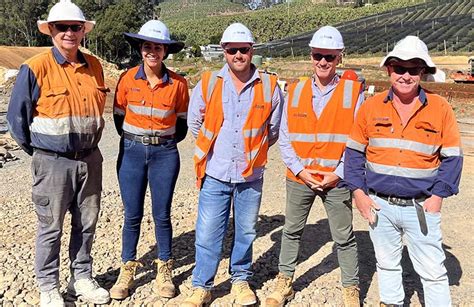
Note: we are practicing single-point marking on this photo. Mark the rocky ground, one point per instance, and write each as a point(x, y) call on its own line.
point(317, 275)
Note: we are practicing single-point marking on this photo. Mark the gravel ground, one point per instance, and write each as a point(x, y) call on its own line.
point(317, 275)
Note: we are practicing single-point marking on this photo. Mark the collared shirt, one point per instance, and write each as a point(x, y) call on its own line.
point(58, 106)
point(150, 111)
point(388, 180)
point(226, 160)
point(320, 100)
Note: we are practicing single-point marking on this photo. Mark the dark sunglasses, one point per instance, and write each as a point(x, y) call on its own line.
point(61, 27)
point(319, 57)
point(242, 50)
point(401, 70)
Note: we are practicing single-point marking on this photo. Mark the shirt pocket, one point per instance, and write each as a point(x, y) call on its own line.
point(380, 129)
point(428, 133)
point(56, 101)
point(136, 98)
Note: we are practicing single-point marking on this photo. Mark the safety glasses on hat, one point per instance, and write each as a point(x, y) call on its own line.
point(401, 70)
point(242, 50)
point(62, 27)
point(327, 57)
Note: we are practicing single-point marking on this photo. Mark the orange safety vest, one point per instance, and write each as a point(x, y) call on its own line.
point(255, 130)
point(320, 143)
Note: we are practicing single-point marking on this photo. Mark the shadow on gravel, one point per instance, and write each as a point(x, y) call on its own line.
point(184, 251)
point(411, 281)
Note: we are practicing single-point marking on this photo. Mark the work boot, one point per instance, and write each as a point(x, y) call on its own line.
point(197, 298)
point(125, 280)
point(350, 296)
point(242, 293)
point(88, 290)
point(389, 305)
point(51, 298)
point(163, 284)
point(283, 291)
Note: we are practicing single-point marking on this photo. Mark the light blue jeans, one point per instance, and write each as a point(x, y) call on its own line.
point(215, 202)
point(426, 253)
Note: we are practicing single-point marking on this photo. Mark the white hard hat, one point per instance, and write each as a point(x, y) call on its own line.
point(237, 33)
point(64, 10)
point(327, 38)
point(409, 48)
point(157, 32)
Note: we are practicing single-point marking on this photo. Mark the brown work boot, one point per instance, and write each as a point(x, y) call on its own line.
point(125, 280)
point(283, 291)
point(163, 284)
point(350, 296)
point(197, 298)
point(242, 293)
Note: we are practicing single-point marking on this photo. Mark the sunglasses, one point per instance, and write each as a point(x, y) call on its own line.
point(401, 70)
point(61, 27)
point(327, 57)
point(242, 50)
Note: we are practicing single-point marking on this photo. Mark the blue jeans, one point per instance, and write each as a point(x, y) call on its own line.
point(215, 202)
point(426, 253)
point(137, 166)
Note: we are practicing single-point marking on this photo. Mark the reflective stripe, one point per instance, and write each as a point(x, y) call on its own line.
point(451, 152)
point(267, 90)
point(199, 153)
point(182, 115)
point(347, 100)
point(250, 133)
point(142, 110)
point(66, 125)
point(297, 93)
point(212, 83)
point(332, 137)
point(207, 133)
point(319, 161)
point(402, 171)
point(403, 144)
point(302, 137)
point(136, 130)
point(355, 145)
point(251, 155)
point(118, 111)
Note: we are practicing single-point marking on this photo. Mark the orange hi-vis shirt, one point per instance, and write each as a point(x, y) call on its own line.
point(255, 129)
point(422, 158)
point(151, 111)
point(319, 143)
point(57, 106)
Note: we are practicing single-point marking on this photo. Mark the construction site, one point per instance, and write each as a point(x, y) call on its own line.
point(445, 26)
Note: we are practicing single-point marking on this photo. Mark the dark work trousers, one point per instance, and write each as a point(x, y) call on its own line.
point(60, 185)
point(337, 202)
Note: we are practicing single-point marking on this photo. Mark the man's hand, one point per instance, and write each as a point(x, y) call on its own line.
point(307, 176)
point(330, 179)
point(433, 204)
point(365, 205)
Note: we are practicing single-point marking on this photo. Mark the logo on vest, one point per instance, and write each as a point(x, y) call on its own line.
point(134, 89)
point(300, 114)
point(381, 119)
point(260, 106)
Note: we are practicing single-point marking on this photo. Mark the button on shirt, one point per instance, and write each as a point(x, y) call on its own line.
point(226, 160)
point(320, 100)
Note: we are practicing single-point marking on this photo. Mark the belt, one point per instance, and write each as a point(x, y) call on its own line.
point(148, 139)
point(406, 202)
point(399, 201)
point(73, 155)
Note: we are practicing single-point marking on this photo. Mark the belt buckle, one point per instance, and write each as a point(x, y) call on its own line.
point(146, 140)
point(397, 201)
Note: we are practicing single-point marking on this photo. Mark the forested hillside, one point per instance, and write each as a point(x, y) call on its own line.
point(197, 22)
